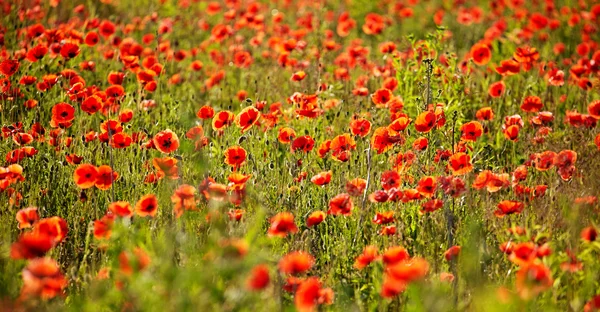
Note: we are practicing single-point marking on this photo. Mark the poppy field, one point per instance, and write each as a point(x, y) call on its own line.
point(299, 155)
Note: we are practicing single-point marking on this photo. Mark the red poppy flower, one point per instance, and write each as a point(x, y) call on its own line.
point(321, 178)
point(54, 227)
point(85, 176)
point(69, 50)
point(368, 255)
point(507, 207)
point(589, 234)
point(63, 113)
point(471, 131)
point(42, 278)
point(105, 177)
point(282, 224)
point(360, 127)
point(310, 294)
point(9, 67)
point(385, 217)
point(508, 67)
point(222, 119)
point(496, 89)
point(594, 109)
point(315, 218)
point(296, 262)
point(383, 139)
point(303, 143)
point(31, 245)
point(115, 91)
point(481, 53)
point(431, 205)
point(452, 253)
point(37, 53)
point(121, 208)
point(532, 104)
point(390, 179)
point(400, 123)
point(235, 156)
point(247, 118)
point(166, 141)
point(259, 278)
point(394, 255)
point(341, 204)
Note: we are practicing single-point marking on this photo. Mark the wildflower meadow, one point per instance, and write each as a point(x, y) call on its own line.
point(299, 155)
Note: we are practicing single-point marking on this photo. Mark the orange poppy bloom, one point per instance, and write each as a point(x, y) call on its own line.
point(166, 141)
point(286, 135)
point(235, 156)
point(147, 206)
point(383, 139)
point(296, 262)
point(27, 217)
point(425, 121)
point(259, 278)
point(408, 270)
point(298, 76)
point(460, 163)
point(121, 209)
point(431, 205)
point(184, 198)
point(341, 146)
point(222, 119)
point(507, 207)
point(400, 123)
point(138, 261)
point(341, 204)
point(427, 186)
point(315, 218)
point(368, 255)
point(167, 167)
point(481, 53)
point(356, 187)
point(381, 97)
point(282, 224)
point(105, 177)
point(85, 176)
point(532, 279)
point(485, 113)
point(42, 278)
